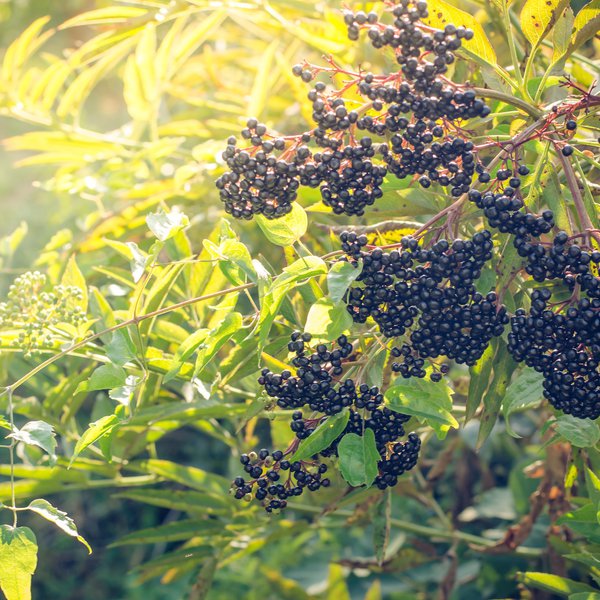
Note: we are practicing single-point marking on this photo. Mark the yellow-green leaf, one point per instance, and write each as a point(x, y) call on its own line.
point(441, 14)
point(586, 25)
point(18, 560)
point(539, 16)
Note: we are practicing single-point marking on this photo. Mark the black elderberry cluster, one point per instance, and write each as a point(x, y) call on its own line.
point(407, 115)
point(429, 292)
point(272, 479)
point(260, 182)
point(504, 210)
point(316, 386)
point(565, 348)
point(565, 261)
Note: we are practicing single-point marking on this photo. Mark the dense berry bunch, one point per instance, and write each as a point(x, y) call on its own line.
point(258, 181)
point(430, 292)
point(504, 211)
point(566, 261)
point(318, 387)
point(272, 479)
point(565, 347)
point(412, 117)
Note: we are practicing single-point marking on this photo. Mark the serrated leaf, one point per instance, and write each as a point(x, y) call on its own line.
point(426, 400)
point(381, 525)
point(340, 278)
point(18, 561)
point(93, 433)
point(285, 230)
point(539, 16)
point(323, 436)
point(302, 269)
point(359, 458)
point(561, 35)
point(58, 517)
point(121, 349)
point(37, 433)
point(216, 339)
point(164, 225)
point(503, 368)
point(185, 350)
point(525, 391)
point(106, 377)
point(441, 14)
point(479, 381)
point(582, 433)
point(327, 320)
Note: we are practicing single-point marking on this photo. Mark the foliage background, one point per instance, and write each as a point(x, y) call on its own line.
point(138, 147)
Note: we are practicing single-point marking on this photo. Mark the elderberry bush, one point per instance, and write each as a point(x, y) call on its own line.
point(317, 387)
point(408, 125)
point(428, 295)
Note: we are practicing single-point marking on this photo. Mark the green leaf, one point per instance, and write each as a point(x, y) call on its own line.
point(585, 596)
point(503, 368)
point(586, 25)
point(561, 36)
point(539, 16)
point(58, 517)
point(164, 225)
point(37, 433)
point(340, 277)
point(327, 320)
point(216, 339)
point(185, 350)
point(302, 269)
point(173, 532)
point(381, 525)
point(441, 14)
point(124, 393)
point(523, 392)
point(582, 433)
point(191, 502)
point(285, 230)
point(72, 276)
point(192, 477)
point(106, 377)
point(121, 349)
point(323, 436)
point(234, 259)
point(18, 560)
point(479, 381)
point(359, 458)
point(4, 423)
point(337, 589)
point(95, 431)
point(553, 583)
point(426, 400)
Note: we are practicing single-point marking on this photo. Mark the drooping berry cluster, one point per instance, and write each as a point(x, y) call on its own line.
point(316, 386)
point(429, 292)
point(565, 348)
point(259, 181)
point(504, 210)
point(272, 479)
point(413, 116)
